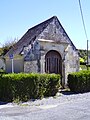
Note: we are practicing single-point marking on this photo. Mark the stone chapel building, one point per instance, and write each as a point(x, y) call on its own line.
point(44, 48)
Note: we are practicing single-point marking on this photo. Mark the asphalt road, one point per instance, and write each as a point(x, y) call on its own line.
point(69, 110)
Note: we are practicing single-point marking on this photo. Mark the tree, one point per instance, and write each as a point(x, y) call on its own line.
point(6, 47)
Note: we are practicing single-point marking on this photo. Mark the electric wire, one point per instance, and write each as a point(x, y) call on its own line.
point(83, 19)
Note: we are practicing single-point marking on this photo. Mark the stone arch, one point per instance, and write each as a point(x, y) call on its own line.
point(53, 62)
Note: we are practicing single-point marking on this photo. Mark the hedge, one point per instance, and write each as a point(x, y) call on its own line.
point(2, 72)
point(79, 81)
point(28, 86)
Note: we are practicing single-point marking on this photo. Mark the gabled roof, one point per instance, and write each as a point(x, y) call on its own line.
point(32, 33)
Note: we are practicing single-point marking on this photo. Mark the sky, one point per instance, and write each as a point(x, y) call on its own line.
point(17, 16)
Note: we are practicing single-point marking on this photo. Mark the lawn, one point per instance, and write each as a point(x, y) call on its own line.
point(84, 67)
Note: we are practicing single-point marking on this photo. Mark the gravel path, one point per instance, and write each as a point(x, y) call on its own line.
point(62, 106)
point(51, 101)
point(59, 99)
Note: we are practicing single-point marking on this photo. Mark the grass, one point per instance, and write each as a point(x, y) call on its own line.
point(84, 67)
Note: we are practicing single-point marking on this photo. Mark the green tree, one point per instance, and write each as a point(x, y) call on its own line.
point(6, 47)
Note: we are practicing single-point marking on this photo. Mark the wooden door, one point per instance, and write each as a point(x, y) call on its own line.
point(53, 62)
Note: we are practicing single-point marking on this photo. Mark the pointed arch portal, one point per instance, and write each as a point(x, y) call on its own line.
point(53, 62)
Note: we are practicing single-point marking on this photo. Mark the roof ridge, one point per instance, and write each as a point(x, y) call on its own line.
point(34, 32)
point(50, 19)
point(36, 27)
point(29, 32)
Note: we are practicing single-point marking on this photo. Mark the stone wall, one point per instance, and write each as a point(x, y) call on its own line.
point(54, 32)
point(71, 61)
point(30, 67)
point(2, 64)
point(18, 65)
point(55, 38)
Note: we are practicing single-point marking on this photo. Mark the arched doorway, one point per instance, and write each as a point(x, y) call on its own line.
point(53, 62)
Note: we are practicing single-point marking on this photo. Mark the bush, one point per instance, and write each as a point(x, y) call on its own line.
point(28, 86)
point(82, 61)
point(53, 85)
point(79, 81)
point(2, 71)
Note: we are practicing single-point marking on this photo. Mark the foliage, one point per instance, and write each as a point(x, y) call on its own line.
point(28, 86)
point(7, 46)
point(83, 54)
point(79, 81)
point(1, 51)
point(82, 61)
point(2, 72)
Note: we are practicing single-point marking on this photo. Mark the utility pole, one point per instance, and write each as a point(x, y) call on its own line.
point(87, 54)
point(84, 29)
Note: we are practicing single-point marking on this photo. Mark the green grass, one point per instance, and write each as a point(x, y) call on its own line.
point(84, 67)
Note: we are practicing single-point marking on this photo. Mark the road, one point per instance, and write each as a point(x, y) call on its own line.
point(71, 109)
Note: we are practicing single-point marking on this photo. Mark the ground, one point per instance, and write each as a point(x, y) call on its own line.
point(62, 107)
